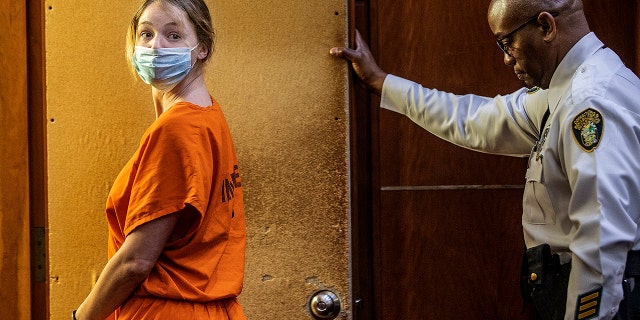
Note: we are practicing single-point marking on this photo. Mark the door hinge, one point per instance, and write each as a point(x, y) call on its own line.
point(39, 254)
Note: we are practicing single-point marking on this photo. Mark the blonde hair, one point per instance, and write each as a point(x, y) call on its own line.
point(198, 14)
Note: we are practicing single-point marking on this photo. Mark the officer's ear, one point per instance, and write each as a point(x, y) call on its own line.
point(547, 22)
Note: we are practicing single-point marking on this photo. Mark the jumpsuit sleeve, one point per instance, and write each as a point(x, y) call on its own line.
point(499, 125)
point(166, 176)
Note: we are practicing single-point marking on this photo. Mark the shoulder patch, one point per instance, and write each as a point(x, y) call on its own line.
point(533, 89)
point(588, 305)
point(587, 129)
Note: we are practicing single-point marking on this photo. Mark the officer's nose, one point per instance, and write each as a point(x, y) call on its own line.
point(508, 59)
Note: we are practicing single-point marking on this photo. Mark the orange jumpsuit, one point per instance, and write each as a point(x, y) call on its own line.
point(186, 157)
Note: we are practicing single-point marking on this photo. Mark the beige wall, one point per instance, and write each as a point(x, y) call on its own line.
point(285, 100)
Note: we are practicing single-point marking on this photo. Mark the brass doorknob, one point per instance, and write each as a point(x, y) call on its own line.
point(324, 304)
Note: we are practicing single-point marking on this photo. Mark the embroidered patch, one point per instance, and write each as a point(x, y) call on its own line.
point(588, 306)
point(533, 89)
point(587, 129)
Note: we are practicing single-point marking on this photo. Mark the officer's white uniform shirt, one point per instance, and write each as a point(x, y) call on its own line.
point(582, 192)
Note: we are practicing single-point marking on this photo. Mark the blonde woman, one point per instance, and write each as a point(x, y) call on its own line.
point(175, 212)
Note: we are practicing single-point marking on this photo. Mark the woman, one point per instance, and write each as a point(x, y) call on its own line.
point(175, 213)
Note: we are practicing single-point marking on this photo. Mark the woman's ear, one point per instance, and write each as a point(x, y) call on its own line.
point(203, 51)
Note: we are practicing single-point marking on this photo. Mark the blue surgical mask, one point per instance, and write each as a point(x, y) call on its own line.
point(162, 68)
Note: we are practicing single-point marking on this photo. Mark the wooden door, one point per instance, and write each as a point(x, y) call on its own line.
point(437, 231)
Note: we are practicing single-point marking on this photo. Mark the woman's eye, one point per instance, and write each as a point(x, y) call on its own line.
point(145, 34)
point(174, 36)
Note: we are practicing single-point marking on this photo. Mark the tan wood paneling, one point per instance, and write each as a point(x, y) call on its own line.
point(14, 168)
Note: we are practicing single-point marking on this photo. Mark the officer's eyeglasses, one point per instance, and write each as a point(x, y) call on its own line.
point(505, 47)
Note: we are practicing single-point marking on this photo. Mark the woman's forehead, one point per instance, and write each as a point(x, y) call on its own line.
point(161, 14)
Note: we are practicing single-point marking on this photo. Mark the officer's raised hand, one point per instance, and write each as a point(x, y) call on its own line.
point(363, 63)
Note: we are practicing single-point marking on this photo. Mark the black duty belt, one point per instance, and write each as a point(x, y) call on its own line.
point(632, 269)
point(544, 282)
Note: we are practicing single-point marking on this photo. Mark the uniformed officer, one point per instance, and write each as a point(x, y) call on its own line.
point(579, 122)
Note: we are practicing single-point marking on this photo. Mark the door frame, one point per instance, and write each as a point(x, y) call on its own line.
point(37, 159)
point(362, 126)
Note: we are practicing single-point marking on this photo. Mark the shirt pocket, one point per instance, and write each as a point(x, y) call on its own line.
point(536, 204)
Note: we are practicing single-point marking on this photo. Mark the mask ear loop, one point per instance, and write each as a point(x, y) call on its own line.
point(194, 63)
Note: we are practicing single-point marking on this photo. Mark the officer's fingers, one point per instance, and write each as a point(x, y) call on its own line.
point(344, 53)
point(360, 43)
point(336, 52)
point(353, 55)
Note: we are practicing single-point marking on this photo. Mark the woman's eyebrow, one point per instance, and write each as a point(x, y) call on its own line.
point(149, 23)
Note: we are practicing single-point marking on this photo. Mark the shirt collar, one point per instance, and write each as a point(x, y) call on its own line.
point(561, 79)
